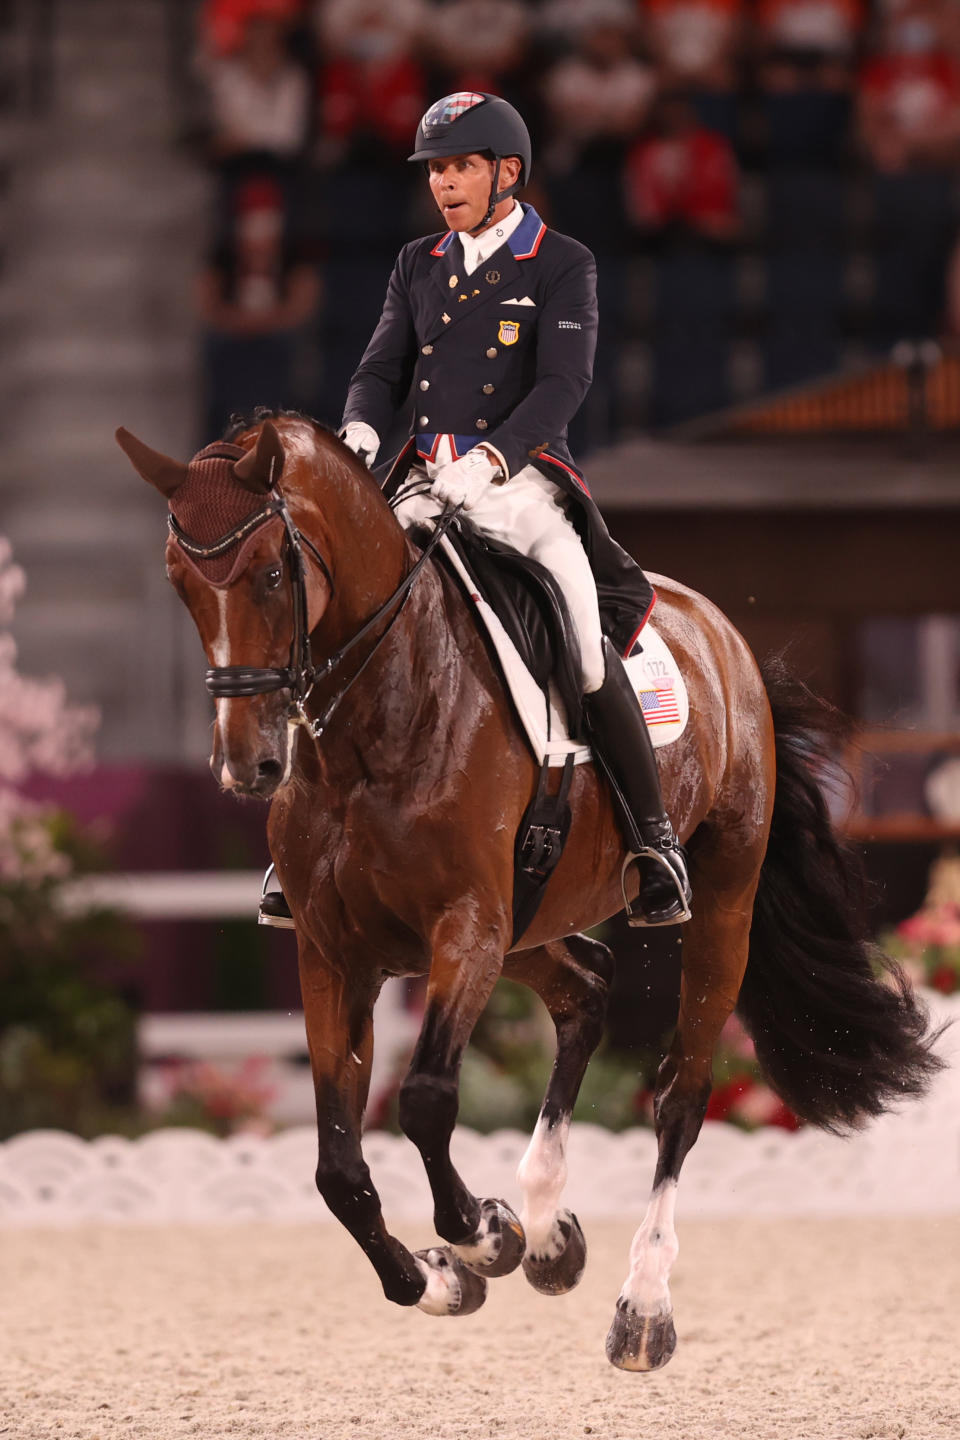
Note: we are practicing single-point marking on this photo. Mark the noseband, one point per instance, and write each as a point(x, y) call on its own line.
point(234, 682)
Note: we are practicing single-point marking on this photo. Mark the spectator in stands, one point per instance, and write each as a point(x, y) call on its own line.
point(599, 95)
point(255, 295)
point(909, 97)
point(259, 98)
point(909, 112)
point(480, 45)
point(808, 42)
point(682, 180)
point(371, 94)
point(372, 89)
point(223, 23)
point(806, 56)
point(595, 97)
point(682, 194)
point(696, 43)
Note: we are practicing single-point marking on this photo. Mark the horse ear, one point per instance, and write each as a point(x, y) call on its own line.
point(158, 470)
point(261, 468)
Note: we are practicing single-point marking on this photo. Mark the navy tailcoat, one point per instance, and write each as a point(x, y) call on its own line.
point(503, 356)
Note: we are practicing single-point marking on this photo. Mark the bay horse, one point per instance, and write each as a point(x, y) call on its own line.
point(355, 692)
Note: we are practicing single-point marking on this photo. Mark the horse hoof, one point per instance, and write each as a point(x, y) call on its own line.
point(558, 1265)
point(451, 1288)
point(640, 1342)
point(498, 1246)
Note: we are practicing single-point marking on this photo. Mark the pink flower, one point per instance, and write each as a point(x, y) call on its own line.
point(39, 732)
point(734, 1037)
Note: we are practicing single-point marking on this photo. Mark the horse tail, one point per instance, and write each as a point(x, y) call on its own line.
point(838, 1030)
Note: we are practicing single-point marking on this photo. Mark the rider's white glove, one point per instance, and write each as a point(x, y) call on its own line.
point(465, 482)
point(362, 439)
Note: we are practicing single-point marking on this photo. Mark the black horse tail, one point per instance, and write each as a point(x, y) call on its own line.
point(838, 1030)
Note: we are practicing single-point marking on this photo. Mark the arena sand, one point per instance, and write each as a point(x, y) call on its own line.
point(805, 1330)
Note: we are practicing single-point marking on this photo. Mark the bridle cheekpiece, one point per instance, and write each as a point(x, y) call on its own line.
point(301, 675)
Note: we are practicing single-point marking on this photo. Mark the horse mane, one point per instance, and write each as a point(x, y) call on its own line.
point(241, 424)
point(351, 467)
point(238, 424)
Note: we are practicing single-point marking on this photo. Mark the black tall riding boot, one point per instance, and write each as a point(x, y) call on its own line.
point(622, 744)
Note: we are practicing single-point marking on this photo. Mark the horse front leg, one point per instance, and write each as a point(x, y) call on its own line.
point(338, 1010)
point(572, 978)
point(485, 1237)
point(715, 945)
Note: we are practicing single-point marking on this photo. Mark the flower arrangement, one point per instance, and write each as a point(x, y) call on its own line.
point(67, 1039)
point(222, 1099)
point(740, 1093)
point(507, 1065)
point(927, 944)
point(39, 732)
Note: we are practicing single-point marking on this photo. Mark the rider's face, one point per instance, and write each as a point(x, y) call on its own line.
point(461, 187)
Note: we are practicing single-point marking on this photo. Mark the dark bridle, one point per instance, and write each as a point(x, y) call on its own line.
point(234, 682)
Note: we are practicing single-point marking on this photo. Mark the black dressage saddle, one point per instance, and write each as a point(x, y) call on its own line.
point(530, 606)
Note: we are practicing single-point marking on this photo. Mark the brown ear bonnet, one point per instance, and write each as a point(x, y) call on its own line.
point(210, 503)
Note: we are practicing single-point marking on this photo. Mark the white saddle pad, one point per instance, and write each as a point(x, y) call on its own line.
point(653, 671)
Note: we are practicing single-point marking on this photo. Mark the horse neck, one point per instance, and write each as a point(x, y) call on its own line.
point(369, 554)
point(362, 542)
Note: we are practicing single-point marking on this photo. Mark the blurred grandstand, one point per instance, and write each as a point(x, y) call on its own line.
point(200, 205)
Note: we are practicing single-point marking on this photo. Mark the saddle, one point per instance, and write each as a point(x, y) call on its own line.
point(531, 607)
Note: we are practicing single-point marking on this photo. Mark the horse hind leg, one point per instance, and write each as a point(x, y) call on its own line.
point(573, 978)
point(715, 943)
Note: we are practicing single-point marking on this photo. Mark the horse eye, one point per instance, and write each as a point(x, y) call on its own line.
point(273, 576)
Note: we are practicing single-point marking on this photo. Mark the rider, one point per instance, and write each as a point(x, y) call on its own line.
point(494, 324)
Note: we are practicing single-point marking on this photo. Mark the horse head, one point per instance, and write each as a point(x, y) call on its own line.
point(230, 558)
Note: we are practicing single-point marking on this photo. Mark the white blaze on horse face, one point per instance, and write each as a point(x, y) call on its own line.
point(542, 1174)
point(652, 1254)
point(220, 650)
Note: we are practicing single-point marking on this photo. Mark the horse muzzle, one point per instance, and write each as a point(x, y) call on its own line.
point(250, 753)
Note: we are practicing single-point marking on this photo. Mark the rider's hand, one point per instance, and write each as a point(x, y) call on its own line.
point(465, 482)
point(362, 439)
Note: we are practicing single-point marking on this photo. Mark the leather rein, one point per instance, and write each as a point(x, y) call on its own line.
point(233, 682)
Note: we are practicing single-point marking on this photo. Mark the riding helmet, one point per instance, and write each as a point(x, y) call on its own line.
point(470, 122)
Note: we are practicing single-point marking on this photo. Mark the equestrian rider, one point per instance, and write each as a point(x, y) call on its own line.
point(494, 324)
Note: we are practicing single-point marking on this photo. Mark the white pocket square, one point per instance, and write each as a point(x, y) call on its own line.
point(525, 301)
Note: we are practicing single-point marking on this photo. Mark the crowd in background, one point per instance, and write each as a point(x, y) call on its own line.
point(768, 187)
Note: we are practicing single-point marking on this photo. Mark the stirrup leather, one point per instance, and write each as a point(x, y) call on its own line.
point(274, 909)
point(677, 914)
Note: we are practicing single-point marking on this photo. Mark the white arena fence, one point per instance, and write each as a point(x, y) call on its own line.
point(228, 1038)
point(904, 1163)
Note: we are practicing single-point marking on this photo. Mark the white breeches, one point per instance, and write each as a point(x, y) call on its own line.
point(529, 513)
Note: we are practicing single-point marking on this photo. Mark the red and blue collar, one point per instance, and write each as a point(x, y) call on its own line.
point(524, 242)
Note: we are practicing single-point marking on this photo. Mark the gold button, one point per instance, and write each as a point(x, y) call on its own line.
point(427, 350)
point(454, 281)
point(481, 424)
point(488, 389)
point(492, 353)
point(423, 421)
point(424, 384)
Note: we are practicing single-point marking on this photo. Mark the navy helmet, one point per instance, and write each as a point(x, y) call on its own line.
point(472, 122)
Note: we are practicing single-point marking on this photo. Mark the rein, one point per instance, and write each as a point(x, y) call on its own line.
point(233, 682)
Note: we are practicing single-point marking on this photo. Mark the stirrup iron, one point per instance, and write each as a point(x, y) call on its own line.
point(274, 909)
point(633, 909)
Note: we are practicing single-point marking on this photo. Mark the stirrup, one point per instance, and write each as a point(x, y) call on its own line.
point(274, 909)
point(674, 912)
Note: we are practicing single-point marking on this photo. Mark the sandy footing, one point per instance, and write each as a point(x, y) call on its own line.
point(801, 1329)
